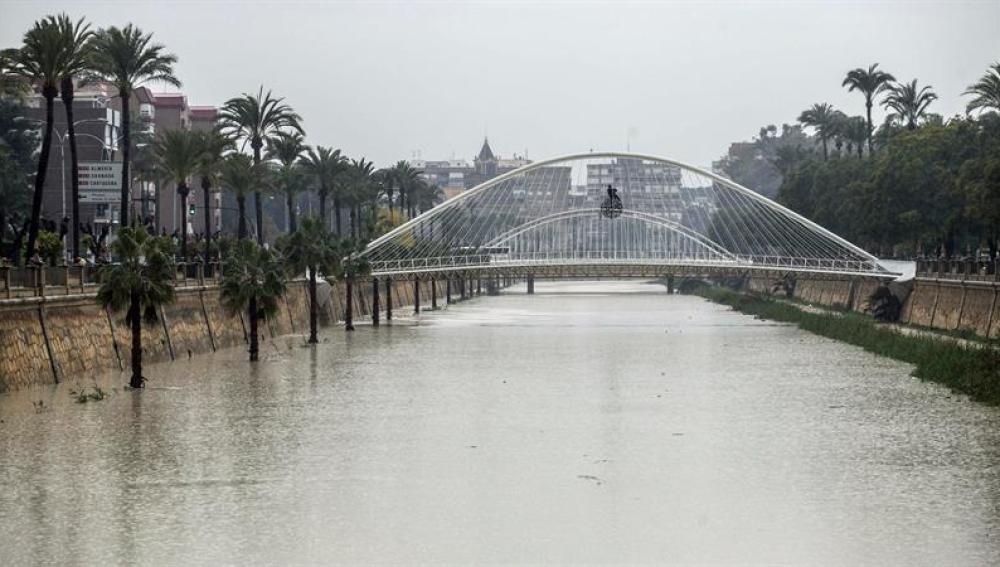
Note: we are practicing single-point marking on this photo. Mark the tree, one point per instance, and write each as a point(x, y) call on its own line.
point(141, 282)
point(41, 59)
point(288, 148)
point(405, 177)
point(312, 249)
point(985, 91)
point(255, 120)
point(17, 163)
point(326, 166)
point(352, 266)
point(360, 189)
point(212, 146)
point(128, 58)
point(76, 42)
point(908, 104)
point(870, 83)
point(822, 119)
point(252, 280)
point(177, 155)
point(240, 175)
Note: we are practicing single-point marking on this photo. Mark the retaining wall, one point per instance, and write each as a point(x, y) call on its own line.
point(44, 341)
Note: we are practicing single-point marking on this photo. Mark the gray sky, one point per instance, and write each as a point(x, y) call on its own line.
point(386, 79)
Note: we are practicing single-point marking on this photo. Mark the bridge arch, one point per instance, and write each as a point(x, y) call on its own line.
point(732, 225)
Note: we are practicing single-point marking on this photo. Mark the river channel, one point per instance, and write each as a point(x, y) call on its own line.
point(592, 422)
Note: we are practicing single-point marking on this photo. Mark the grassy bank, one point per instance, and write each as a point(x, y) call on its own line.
point(973, 371)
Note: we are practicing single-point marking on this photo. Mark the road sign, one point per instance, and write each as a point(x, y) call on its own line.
point(100, 181)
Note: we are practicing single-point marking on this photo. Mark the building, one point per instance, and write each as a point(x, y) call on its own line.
point(456, 175)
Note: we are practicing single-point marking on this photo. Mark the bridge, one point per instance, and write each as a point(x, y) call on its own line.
point(613, 214)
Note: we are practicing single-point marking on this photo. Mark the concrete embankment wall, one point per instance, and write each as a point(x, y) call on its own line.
point(948, 305)
point(69, 337)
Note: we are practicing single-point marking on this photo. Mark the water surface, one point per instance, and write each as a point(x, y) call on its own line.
point(591, 422)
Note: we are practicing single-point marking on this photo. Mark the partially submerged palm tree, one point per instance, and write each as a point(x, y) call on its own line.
point(870, 82)
point(140, 283)
point(821, 118)
point(76, 39)
point(127, 58)
point(252, 280)
point(255, 119)
point(212, 146)
point(326, 166)
point(909, 105)
point(177, 154)
point(238, 174)
point(312, 249)
point(287, 149)
point(41, 59)
point(985, 91)
point(352, 266)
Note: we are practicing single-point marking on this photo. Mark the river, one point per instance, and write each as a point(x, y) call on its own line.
point(591, 422)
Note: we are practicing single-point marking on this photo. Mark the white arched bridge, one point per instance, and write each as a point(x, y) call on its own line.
point(613, 214)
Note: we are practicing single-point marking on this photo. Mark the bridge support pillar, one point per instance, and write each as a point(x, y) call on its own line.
point(531, 284)
point(375, 305)
point(388, 299)
point(434, 294)
point(447, 292)
point(349, 307)
point(416, 296)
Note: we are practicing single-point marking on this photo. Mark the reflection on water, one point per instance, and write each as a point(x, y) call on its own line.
point(591, 422)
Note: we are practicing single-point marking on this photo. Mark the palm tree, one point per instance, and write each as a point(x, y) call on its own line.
point(855, 131)
point(312, 249)
point(240, 175)
point(76, 42)
point(405, 176)
point(41, 59)
point(909, 105)
point(252, 280)
point(141, 282)
point(212, 146)
point(288, 149)
point(361, 189)
point(326, 166)
point(870, 83)
point(352, 266)
point(986, 91)
point(256, 119)
point(177, 155)
point(821, 118)
point(127, 58)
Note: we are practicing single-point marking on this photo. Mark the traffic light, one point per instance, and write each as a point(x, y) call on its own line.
point(192, 209)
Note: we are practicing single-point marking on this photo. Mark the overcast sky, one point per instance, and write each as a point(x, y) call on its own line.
point(680, 79)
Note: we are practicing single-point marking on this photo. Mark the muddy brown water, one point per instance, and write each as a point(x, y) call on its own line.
point(594, 422)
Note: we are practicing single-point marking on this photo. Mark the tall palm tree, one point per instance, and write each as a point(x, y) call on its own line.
point(386, 180)
point(361, 189)
point(870, 82)
point(212, 146)
point(326, 166)
point(141, 282)
point(239, 175)
point(256, 119)
point(855, 132)
point(177, 154)
point(252, 280)
point(909, 104)
point(312, 249)
point(288, 148)
point(128, 58)
point(986, 91)
point(41, 59)
point(405, 176)
point(352, 266)
point(821, 118)
point(76, 42)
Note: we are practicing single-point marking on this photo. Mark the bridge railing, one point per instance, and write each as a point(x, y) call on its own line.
point(959, 269)
point(528, 259)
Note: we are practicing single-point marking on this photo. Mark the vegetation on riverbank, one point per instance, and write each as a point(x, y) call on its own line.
point(971, 370)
